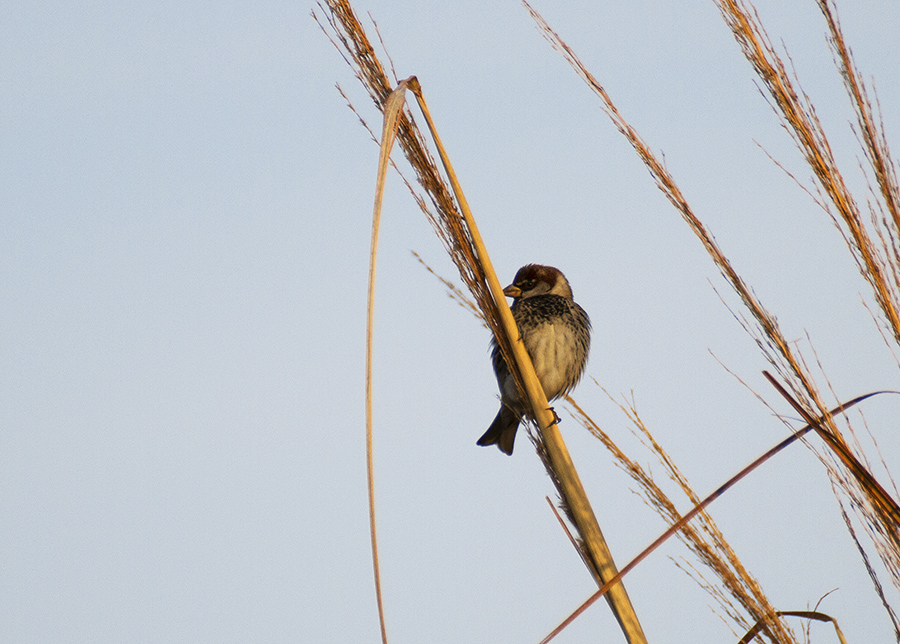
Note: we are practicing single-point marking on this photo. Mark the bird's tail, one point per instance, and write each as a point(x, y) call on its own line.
point(502, 431)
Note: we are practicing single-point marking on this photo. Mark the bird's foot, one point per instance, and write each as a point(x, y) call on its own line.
point(556, 419)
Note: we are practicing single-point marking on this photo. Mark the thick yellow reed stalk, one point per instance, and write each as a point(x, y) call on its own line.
point(574, 495)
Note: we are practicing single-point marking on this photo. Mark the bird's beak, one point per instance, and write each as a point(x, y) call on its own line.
point(512, 291)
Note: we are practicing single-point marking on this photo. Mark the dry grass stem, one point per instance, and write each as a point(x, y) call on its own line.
point(569, 535)
point(875, 256)
point(392, 111)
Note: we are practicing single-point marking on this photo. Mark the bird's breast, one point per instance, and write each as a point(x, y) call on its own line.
point(556, 338)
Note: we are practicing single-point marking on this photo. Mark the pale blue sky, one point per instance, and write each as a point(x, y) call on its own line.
point(186, 214)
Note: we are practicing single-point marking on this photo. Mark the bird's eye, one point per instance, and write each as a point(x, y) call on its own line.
point(527, 285)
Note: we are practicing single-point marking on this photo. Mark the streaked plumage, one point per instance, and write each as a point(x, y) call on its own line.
point(557, 335)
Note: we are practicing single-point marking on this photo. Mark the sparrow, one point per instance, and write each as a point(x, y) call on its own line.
point(557, 335)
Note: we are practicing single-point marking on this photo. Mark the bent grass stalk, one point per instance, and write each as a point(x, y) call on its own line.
point(388, 134)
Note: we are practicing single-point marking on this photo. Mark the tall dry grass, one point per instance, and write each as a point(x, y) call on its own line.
point(874, 247)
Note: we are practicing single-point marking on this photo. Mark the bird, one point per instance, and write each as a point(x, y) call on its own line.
point(557, 335)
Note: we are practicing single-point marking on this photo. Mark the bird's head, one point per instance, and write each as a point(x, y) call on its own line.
point(535, 279)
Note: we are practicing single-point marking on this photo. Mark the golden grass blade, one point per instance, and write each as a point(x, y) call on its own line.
point(392, 110)
point(698, 508)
